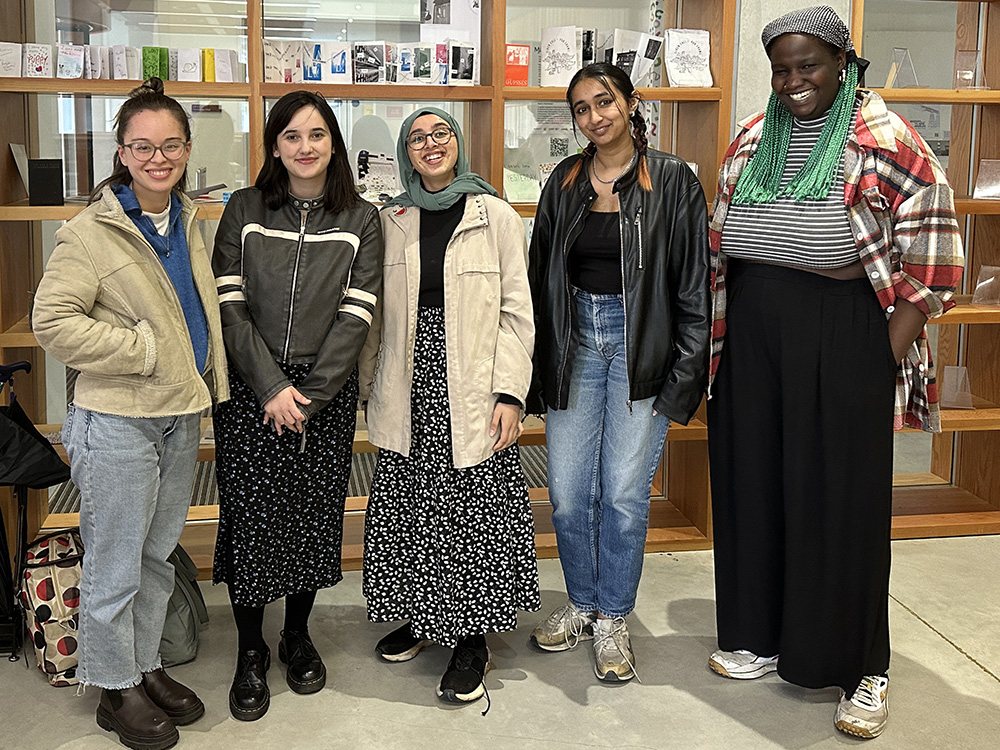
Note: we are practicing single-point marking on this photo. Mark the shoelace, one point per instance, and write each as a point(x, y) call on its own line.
point(615, 634)
point(302, 642)
point(869, 693)
point(463, 661)
point(577, 624)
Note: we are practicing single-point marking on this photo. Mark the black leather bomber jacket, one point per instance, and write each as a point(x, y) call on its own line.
point(297, 284)
point(665, 275)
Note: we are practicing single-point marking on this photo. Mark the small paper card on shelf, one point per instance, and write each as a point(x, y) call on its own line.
point(686, 57)
point(987, 291)
point(172, 64)
point(283, 61)
point(37, 61)
point(150, 62)
point(588, 46)
point(313, 61)
point(464, 63)
point(226, 65)
point(188, 64)
point(560, 55)
point(69, 61)
point(519, 187)
point(988, 179)
point(955, 390)
point(391, 62)
point(208, 65)
point(133, 63)
point(10, 60)
point(338, 56)
point(97, 62)
point(516, 64)
point(369, 62)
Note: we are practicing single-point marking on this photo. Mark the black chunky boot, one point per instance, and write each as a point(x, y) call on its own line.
point(306, 672)
point(249, 697)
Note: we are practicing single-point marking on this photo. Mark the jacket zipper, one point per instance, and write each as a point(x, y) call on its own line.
point(295, 278)
point(638, 227)
point(569, 305)
point(621, 237)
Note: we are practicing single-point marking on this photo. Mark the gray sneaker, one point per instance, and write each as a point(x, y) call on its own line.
point(613, 657)
point(742, 665)
point(865, 713)
point(564, 629)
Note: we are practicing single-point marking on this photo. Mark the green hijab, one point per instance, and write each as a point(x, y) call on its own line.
point(465, 180)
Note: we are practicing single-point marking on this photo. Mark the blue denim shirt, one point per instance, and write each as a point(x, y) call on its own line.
point(172, 251)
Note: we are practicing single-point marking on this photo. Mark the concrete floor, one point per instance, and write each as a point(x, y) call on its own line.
point(945, 691)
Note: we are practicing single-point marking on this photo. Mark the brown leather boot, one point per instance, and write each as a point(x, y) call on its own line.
point(140, 724)
point(177, 701)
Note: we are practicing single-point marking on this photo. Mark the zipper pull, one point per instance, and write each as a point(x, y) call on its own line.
point(629, 402)
point(302, 443)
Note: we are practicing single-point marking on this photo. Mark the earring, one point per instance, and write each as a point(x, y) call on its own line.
point(842, 75)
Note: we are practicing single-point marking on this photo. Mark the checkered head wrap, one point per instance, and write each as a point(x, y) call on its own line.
point(818, 20)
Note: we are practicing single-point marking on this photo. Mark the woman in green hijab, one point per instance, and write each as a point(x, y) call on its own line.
point(449, 538)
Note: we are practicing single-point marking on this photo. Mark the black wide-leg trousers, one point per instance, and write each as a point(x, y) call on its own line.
point(800, 440)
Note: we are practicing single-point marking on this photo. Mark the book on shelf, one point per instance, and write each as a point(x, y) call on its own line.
point(10, 60)
point(283, 61)
point(208, 65)
point(151, 64)
point(69, 61)
point(227, 66)
point(464, 63)
point(188, 64)
point(561, 55)
point(369, 62)
point(517, 61)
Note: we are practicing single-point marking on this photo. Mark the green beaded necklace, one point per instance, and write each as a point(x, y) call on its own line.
point(760, 181)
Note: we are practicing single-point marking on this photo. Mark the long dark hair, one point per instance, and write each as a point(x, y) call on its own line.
point(339, 192)
point(147, 97)
point(614, 79)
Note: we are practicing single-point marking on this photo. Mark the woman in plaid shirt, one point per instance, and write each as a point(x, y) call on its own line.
point(833, 239)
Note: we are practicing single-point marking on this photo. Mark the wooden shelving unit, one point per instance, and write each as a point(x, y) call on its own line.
point(961, 495)
point(698, 129)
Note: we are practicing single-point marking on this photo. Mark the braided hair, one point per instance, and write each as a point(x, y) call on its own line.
point(148, 96)
point(615, 80)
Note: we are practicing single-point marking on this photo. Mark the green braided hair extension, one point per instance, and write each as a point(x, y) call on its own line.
point(761, 179)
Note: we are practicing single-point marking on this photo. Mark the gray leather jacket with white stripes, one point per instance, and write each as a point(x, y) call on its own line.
point(297, 284)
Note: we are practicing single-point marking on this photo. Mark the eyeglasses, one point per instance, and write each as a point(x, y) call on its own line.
point(144, 150)
point(440, 136)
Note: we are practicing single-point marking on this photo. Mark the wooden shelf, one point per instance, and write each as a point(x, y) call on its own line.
point(649, 94)
point(18, 335)
point(941, 96)
point(418, 92)
point(121, 88)
point(21, 211)
point(966, 312)
point(977, 206)
point(921, 512)
point(985, 416)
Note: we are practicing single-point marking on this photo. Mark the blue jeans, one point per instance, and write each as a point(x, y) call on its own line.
point(601, 460)
point(134, 477)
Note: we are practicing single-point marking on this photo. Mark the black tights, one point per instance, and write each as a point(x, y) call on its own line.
point(250, 620)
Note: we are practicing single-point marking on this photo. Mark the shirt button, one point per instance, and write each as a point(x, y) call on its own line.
point(890, 308)
point(874, 274)
point(921, 367)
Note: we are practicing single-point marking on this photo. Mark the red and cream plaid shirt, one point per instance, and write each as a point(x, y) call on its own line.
point(902, 215)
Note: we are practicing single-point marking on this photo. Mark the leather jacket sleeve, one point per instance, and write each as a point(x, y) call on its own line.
point(688, 281)
point(538, 263)
point(341, 348)
point(245, 347)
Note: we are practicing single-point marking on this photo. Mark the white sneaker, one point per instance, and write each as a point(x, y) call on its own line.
point(564, 629)
point(613, 657)
point(865, 713)
point(742, 665)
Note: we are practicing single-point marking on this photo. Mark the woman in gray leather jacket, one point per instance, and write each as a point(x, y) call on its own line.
point(620, 285)
point(298, 264)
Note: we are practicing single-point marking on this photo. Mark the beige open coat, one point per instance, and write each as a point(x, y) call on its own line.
point(489, 328)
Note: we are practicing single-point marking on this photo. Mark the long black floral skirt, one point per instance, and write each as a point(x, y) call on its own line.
point(451, 550)
point(281, 509)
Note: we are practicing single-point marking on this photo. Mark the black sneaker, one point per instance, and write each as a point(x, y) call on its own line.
point(400, 645)
point(463, 680)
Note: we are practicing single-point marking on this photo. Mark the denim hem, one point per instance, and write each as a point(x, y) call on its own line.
point(612, 616)
point(158, 665)
point(586, 609)
point(124, 685)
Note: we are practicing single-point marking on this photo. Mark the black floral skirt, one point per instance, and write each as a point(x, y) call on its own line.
point(451, 550)
point(281, 509)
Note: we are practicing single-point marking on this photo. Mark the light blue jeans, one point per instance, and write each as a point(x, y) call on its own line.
point(601, 460)
point(135, 477)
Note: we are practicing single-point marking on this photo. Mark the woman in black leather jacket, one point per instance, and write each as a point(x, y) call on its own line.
point(619, 272)
point(298, 264)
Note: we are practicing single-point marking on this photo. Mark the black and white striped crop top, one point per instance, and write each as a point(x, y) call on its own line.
point(813, 234)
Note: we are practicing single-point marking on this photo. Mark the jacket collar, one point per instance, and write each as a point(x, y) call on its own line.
point(474, 215)
point(109, 209)
point(306, 204)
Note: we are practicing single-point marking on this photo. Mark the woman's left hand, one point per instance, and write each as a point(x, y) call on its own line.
point(506, 425)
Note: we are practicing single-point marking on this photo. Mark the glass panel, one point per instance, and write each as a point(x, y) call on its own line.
point(927, 30)
point(527, 18)
point(932, 121)
point(161, 23)
point(537, 136)
point(369, 20)
point(372, 127)
point(77, 128)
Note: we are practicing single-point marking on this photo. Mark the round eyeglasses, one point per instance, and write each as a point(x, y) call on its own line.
point(144, 150)
point(440, 136)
